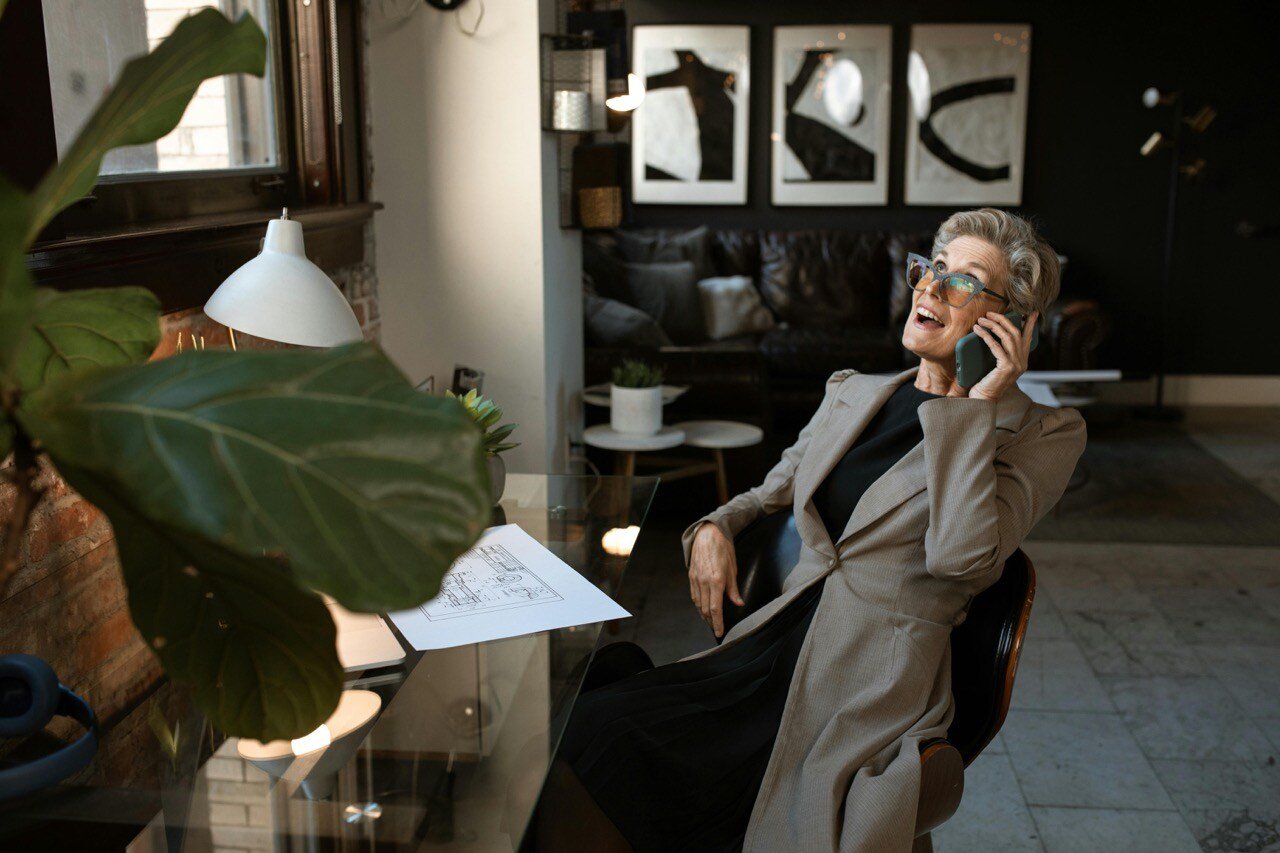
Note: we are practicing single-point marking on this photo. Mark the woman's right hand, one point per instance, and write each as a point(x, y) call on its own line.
point(713, 570)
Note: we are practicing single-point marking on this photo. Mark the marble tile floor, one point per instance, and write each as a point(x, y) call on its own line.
point(1146, 713)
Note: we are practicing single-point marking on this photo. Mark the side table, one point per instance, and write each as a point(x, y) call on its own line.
point(719, 436)
point(716, 436)
point(627, 445)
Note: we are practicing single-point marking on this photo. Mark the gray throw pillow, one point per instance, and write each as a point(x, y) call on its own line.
point(667, 292)
point(646, 247)
point(731, 306)
point(612, 324)
point(602, 265)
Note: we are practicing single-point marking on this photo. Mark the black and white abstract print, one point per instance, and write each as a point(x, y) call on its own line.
point(967, 128)
point(830, 115)
point(689, 134)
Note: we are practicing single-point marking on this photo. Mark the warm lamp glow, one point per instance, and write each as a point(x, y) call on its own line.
point(918, 85)
point(318, 739)
point(842, 91)
point(620, 540)
point(631, 100)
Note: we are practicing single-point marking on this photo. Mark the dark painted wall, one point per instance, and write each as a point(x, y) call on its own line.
point(1096, 199)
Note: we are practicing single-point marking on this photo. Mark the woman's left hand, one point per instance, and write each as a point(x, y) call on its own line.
point(1010, 346)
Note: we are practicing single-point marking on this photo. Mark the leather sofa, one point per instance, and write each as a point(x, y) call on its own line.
point(840, 302)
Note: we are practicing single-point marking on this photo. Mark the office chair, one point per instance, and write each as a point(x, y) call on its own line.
point(984, 658)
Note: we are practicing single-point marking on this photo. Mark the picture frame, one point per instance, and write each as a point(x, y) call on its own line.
point(832, 95)
point(966, 124)
point(689, 136)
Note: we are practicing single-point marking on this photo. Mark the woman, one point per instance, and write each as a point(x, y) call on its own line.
point(801, 731)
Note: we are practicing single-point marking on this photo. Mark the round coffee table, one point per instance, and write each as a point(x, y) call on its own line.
point(719, 436)
point(627, 445)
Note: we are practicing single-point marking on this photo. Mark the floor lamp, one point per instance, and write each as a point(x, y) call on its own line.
point(1157, 142)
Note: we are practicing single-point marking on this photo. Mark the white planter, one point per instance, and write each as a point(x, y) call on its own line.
point(637, 411)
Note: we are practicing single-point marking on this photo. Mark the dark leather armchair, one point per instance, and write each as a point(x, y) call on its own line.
point(984, 658)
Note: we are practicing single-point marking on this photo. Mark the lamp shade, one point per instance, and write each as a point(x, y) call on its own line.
point(282, 296)
point(313, 761)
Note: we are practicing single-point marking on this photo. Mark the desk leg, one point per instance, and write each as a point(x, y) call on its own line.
point(722, 479)
point(625, 463)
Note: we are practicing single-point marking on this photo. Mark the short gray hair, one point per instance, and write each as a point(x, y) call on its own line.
point(1031, 274)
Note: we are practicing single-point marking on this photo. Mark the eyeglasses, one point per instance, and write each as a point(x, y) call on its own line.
point(954, 288)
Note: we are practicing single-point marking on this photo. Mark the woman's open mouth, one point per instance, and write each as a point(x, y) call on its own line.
point(926, 319)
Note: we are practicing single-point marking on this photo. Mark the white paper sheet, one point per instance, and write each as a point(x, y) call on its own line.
point(507, 585)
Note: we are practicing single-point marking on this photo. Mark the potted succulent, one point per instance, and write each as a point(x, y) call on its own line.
point(636, 398)
point(486, 415)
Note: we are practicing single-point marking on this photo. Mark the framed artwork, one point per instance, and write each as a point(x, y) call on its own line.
point(689, 136)
point(830, 137)
point(966, 129)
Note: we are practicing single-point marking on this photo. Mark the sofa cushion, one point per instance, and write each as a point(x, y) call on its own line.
point(603, 271)
point(663, 245)
point(792, 351)
point(825, 278)
point(612, 324)
point(731, 306)
point(736, 252)
point(667, 292)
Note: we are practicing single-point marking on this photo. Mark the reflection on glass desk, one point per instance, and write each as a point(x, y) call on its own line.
point(455, 759)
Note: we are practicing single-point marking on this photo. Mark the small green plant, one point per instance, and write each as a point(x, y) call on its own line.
point(637, 374)
point(486, 413)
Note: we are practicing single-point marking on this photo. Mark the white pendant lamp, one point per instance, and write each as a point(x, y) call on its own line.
point(282, 296)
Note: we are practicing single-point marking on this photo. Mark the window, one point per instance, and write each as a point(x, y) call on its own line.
point(180, 214)
point(230, 123)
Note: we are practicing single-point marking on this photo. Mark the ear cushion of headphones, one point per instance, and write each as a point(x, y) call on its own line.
point(28, 695)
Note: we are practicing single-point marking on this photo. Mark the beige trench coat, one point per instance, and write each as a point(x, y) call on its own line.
point(873, 678)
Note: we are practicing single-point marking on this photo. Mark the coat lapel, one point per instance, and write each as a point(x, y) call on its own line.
point(860, 397)
point(853, 409)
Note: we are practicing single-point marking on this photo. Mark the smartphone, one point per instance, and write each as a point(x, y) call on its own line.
point(974, 359)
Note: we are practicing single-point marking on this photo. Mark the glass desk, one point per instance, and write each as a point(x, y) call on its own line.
point(455, 760)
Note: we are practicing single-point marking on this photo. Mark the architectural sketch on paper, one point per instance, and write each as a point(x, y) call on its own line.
point(485, 579)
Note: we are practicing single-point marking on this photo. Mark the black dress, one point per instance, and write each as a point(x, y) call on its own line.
point(674, 756)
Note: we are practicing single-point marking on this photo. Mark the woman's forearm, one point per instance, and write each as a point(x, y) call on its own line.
point(777, 489)
point(982, 501)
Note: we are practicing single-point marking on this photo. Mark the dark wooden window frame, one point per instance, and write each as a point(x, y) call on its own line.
point(182, 235)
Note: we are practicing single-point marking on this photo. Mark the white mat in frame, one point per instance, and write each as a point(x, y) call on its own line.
point(966, 122)
point(831, 101)
point(687, 150)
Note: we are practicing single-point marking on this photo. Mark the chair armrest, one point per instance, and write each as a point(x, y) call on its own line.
point(941, 784)
point(1073, 329)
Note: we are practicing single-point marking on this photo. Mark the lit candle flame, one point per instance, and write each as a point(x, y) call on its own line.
point(620, 540)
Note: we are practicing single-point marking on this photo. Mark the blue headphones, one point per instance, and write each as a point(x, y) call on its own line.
point(30, 696)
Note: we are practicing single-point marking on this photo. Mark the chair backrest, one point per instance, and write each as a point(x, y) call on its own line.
point(984, 648)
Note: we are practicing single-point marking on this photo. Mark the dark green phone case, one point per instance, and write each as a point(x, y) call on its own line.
point(974, 359)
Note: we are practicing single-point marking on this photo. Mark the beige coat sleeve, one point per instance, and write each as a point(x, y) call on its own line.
point(983, 503)
point(778, 487)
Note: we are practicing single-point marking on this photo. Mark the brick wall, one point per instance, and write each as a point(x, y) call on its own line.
point(67, 603)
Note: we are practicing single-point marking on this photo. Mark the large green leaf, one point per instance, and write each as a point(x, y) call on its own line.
point(87, 328)
point(329, 460)
point(16, 291)
point(148, 101)
point(258, 651)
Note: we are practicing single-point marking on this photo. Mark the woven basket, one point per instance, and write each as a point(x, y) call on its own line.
point(600, 207)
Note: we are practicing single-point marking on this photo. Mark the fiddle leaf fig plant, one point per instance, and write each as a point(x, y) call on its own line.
point(240, 485)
